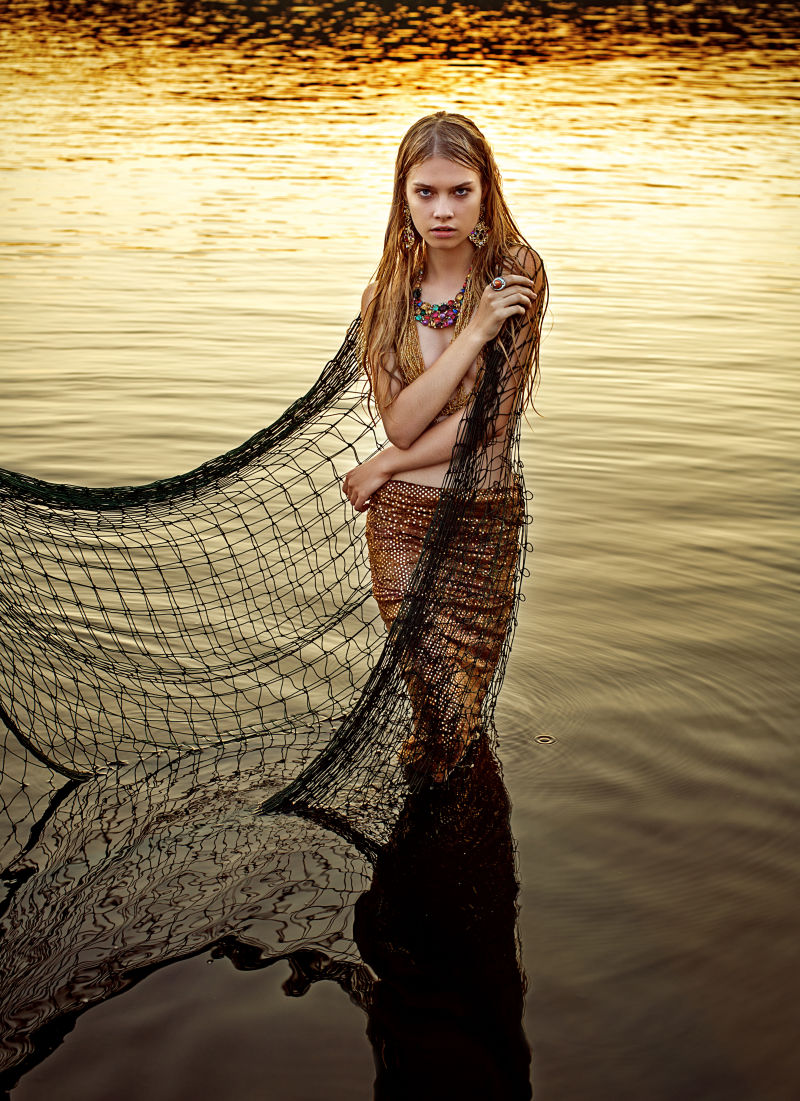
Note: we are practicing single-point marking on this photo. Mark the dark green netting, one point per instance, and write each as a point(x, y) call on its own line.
point(197, 609)
point(235, 601)
point(153, 863)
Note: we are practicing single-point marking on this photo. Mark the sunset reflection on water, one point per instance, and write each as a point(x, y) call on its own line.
point(363, 31)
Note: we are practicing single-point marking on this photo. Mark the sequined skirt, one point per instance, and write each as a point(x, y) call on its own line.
point(458, 628)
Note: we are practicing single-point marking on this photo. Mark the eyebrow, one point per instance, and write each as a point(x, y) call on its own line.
point(455, 187)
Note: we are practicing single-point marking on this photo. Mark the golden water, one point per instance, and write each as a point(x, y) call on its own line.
point(186, 234)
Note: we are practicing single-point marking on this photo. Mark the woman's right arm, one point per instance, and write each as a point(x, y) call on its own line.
point(433, 447)
point(406, 411)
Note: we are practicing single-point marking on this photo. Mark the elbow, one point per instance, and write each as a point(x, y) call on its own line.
point(400, 438)
point(397, 430)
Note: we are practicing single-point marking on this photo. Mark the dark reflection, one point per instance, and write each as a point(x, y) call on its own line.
point(379, 29)
point(438, 927)
point(104, 882)
point(111, 879)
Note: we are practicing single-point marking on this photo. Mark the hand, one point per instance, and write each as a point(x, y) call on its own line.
point(495, 307)
point(360, 483)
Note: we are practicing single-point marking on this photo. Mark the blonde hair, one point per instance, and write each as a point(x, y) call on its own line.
point(388, 313)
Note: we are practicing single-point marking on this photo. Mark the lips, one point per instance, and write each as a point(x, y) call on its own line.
point(443, 231)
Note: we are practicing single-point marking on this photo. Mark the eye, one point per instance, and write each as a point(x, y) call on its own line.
point(462, 191)
point(423, 192)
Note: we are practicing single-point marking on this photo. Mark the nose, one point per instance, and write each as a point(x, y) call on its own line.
point(443, 210)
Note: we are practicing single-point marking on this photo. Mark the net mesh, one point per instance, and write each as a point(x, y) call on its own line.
point(214, 740)
point(201, 608)
point(235, 601)
point(128, 871)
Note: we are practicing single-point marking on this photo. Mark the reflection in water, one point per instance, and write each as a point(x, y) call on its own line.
point(119, 878)
point(150, 864)
point(438, 928)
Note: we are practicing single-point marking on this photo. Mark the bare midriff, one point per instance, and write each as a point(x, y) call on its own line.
point(424, 476)
point(435, 475)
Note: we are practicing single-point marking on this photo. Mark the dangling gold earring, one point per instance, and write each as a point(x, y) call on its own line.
point(408, 236)
point(480, 234)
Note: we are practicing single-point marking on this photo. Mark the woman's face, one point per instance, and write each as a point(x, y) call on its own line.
point(444, 198)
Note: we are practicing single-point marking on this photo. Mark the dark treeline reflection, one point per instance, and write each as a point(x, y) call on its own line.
point(113, 878)
point(373, 29)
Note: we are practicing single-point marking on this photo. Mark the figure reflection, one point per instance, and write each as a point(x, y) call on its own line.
point(438, 928)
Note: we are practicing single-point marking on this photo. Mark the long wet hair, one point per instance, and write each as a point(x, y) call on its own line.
point(388, 314)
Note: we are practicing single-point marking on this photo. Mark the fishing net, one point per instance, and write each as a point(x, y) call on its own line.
point(216, 739)
point(200, 608)
point(235, 601)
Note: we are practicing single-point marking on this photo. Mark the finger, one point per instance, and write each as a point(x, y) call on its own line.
point(516, 280)
point(516, 298)
point(513, 309)
point(513, 292)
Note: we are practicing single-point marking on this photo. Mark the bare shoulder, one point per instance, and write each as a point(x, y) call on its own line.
point(368, 295)
point(530, 262)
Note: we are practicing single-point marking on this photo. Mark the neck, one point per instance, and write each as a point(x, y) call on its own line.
point(450, 265)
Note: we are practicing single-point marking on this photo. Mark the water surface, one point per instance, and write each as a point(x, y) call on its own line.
point(190, 218)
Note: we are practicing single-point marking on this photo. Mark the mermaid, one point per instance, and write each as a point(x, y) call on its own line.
point(456, 282)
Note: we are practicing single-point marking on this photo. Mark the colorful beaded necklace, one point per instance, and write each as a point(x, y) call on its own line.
point(410, 358)
point(437, 315)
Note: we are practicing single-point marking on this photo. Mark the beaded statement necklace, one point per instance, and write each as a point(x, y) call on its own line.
point(441, 316)
point(437, 315)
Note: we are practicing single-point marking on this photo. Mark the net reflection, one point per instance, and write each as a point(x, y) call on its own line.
point(121, 875)
point(110, 879)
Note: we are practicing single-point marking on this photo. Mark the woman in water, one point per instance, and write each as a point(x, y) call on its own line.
point(456, 280)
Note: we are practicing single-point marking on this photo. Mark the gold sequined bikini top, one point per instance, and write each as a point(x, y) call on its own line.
point(412, 364)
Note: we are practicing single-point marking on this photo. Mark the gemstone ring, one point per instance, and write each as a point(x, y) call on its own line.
point(498, 284)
